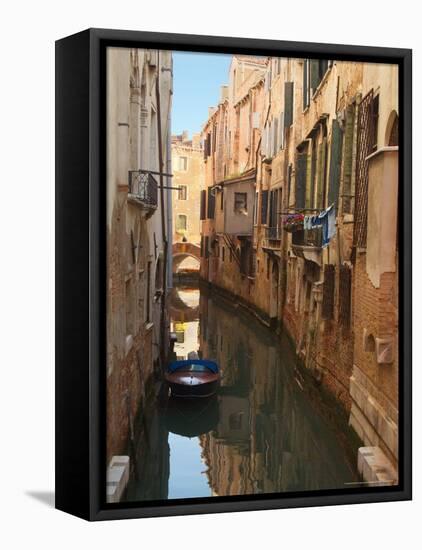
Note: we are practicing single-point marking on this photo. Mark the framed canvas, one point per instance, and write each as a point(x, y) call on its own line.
point(233, 274)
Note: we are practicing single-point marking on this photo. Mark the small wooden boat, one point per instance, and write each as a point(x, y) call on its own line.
point(193, 378)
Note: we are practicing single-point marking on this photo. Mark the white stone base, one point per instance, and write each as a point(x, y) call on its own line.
point(375, 468)
point(117, 477)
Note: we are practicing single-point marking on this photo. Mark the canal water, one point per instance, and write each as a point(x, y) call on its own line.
point(268, 429)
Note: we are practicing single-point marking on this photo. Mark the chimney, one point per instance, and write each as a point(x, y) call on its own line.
point(224, 93)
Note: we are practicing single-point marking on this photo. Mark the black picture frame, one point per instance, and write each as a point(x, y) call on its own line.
point(80, 272)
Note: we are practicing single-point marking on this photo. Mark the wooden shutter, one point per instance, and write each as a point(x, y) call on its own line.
point(322, 153)
point(305, 84)
point(203, 204)
point(335, 163)
point(264, 206)
point(275, 138)
point(328, 292)
point(348, 160)
point(314, 74)
point(288, 104)
point(300, 190)
point(345, 295)
point(207, 250)
point(211, 204)
point(281, 131)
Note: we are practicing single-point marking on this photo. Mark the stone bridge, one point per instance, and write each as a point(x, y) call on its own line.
point(182, 251)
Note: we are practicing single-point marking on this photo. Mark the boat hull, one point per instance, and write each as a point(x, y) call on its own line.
point(196, 385)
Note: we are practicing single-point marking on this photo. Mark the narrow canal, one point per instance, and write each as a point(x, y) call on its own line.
point(267, 430)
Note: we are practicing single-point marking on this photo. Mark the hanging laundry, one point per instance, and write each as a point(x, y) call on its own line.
point(327, 219)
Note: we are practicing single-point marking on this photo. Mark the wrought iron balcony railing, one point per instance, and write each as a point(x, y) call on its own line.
point(143, 187)
point(308, 237)
point(273, 233)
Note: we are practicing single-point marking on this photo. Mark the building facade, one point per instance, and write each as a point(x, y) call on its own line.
point(188, 172)
point(139, 91)
point(299, 213)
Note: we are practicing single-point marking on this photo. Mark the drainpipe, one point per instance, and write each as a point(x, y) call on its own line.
point(169, 203)
point(163, 349)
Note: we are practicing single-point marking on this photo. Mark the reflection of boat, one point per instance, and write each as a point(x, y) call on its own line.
point(193, 378)
point(192, 417)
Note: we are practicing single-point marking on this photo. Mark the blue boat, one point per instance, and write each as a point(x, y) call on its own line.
point(193, 378)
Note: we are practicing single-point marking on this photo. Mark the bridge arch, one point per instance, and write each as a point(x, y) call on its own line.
point(181, 251)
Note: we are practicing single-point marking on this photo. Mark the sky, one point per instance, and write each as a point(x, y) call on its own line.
point(197, 78)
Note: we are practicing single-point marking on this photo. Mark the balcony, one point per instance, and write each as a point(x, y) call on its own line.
point(272, 238)
point(143, 189)
point(307, 244)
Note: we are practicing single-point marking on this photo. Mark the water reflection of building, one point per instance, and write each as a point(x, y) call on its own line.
point(184, 314)
point(268, 438)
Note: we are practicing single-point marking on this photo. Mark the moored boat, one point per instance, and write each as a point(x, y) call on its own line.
point(193, 378)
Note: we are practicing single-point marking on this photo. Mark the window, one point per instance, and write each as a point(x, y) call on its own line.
point(288, 104)
point(183, 193)
point(375, 115)
point(148, 298)
point(264, 206)
point(183, 163)
point(211, 204)
point(222, 199)
point(305, 85)
point(181, 222)
point(222, 253)
point(317, 70)
point(203, 204)
point(240, 203)
point(335, 162)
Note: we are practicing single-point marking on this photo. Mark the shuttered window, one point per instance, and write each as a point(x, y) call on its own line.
point(345, 295)
point(335, 162)
point(300, 191)
point(318, 68)
point(288, 104)
point(305, 83)
point(320, 195)
point(206, 247)
point(328, 292)
point(275, 138)
point(203, 205)
point(211, 204)
point(264, 206)
point(348, 192)
point(281, 131)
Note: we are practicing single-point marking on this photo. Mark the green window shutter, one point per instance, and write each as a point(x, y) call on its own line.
point(288, 104)
point(305, 83)
point(314, 74)
point(322, 152)
point(203, 204)
point(211, 204)
point(348, 159)
point(300, 183)
point(308, 193)
point(335, 163)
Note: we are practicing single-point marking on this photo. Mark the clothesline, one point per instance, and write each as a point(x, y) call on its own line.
point(325, 219)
